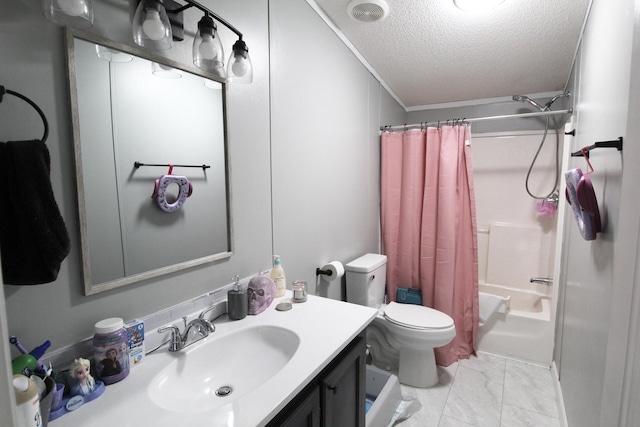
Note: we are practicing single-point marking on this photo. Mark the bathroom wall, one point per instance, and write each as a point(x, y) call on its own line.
point(325, 167)
point(597, 313)
point(312, 205)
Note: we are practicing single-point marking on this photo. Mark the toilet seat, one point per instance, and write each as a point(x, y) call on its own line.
point(416, 316)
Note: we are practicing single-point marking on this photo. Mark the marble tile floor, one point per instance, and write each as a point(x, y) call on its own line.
point(487, 391)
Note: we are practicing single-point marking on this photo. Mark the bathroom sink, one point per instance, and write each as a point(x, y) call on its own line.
point(221, 370)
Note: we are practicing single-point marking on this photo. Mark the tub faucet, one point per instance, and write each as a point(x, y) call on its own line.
point(202, 327)
point(542, 280)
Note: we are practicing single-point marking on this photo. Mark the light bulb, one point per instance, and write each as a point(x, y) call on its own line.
point(239, 67)
point(72, 7)
point(207, 48)
point(153, 26)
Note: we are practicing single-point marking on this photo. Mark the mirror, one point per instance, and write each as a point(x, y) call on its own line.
point(126, 111)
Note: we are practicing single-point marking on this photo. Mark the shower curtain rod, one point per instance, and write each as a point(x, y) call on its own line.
point(477, 119)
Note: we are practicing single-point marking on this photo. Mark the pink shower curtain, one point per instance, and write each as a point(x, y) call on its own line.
point(429, 226)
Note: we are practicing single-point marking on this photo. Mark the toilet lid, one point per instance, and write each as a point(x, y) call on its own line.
point(416, 316)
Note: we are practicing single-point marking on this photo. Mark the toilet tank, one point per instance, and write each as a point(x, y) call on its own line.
point(366, 279)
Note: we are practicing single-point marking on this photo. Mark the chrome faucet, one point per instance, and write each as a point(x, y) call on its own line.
point(541, 280)
point(205, 311)
point(201, 326)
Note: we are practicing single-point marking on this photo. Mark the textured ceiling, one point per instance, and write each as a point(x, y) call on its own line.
point(429, 51)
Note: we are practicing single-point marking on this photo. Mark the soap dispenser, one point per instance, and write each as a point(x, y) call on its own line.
point(237, 302)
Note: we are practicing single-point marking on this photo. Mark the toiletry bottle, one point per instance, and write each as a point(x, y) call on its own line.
point(237, 302)
point(110, 350)
point(278, 277)
point(28, 401)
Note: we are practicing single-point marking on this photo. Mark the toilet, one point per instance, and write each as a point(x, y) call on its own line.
point(402, 337)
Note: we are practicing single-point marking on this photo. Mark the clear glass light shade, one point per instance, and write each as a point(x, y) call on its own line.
point(477, 5)
point(239, 67)
point(151, 26)
point(74, 13)
point(208, 53)
point(112, 55)
point(164, 71)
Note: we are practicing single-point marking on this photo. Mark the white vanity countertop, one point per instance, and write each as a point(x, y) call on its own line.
point(324, 326)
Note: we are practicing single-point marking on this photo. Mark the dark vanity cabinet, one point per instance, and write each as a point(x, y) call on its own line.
point(335, 398)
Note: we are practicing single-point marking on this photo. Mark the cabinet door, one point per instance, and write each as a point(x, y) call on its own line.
point(343, 389)
point(306, 413)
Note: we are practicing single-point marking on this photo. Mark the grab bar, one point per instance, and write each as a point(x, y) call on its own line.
point(542, 280)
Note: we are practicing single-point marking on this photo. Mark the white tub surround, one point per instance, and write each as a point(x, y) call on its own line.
point(525, 331)
point(515, 312)
point(324, 327)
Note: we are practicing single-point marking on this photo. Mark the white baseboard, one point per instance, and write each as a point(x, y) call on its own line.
point(562, 414)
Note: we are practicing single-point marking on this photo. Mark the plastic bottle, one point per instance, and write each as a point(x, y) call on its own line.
point(28, 401)
point(110, 350)
point(278, 277)
point(237, 302)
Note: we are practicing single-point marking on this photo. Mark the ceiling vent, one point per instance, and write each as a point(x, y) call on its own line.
point(368, 10)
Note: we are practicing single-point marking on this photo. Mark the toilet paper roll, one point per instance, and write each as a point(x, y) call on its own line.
point(336, 269)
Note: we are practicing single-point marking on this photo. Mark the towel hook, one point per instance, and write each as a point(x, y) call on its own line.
point(3, 91)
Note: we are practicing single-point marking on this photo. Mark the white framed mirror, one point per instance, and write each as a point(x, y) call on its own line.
point(130, 106)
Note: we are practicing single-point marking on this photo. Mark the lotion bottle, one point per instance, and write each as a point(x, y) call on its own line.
point(28, 401)
point(278, 277)
point(237, 302)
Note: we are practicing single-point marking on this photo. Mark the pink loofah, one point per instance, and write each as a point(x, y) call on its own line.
point(546, 208)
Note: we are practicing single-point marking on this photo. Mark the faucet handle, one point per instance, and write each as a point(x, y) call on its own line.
point(176, 338)
point(204, 326)
point(207, 310)
point(542, 280)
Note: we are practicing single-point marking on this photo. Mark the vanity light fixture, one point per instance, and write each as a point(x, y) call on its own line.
point(74, 13)
point(208, 53)
point(151, 29)
point(151, 26)
point(240, 69)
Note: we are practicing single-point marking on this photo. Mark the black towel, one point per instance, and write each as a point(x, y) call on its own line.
point(33, 238)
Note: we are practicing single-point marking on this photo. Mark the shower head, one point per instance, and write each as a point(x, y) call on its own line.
point(522, 98)
point(545, 107)
point(552, 100)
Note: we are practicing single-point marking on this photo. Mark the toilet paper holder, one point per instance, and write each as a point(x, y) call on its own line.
point(331, 271)
point(323, 272)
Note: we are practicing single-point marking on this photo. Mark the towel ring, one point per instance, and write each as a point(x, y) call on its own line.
point(33, 104)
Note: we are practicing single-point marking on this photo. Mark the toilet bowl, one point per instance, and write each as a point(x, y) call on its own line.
point(402, 335)
point(415, 336)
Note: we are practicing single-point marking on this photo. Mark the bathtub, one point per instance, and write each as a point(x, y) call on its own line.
point(524, 331)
